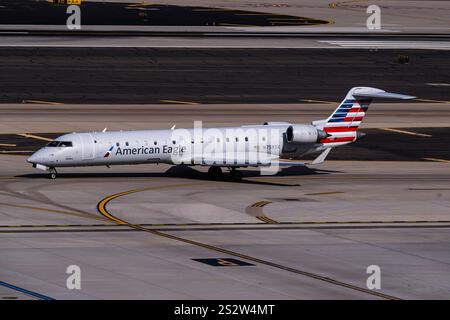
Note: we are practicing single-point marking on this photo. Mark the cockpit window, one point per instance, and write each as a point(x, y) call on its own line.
point(63, 144)
point(53, 144)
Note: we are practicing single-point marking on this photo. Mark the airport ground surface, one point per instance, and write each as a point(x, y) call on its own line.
point(307, 233)
point(140, 232)
point(205, 75)
point(224, 15)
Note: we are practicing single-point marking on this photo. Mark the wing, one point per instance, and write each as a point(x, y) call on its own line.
point(245, 160)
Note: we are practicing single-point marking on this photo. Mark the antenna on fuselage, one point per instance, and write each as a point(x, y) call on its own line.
point(104, 130)
point(173, 127)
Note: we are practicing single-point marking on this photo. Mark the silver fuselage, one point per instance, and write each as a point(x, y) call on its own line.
point(181, 146)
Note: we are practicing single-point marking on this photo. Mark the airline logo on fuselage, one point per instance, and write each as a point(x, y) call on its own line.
point(108, 153)
point(150, 150)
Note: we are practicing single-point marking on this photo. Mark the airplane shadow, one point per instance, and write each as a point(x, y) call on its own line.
point(187, 172)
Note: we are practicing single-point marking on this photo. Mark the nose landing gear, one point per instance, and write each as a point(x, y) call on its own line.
point(53, 173)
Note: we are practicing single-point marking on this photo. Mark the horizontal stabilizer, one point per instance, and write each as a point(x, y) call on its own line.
point(366, 92)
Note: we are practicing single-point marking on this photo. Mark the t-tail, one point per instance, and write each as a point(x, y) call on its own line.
point(342, 125)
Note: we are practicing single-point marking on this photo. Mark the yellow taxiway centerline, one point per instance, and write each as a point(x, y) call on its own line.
point(407, 132)
point(102, 209)
point(26, 135)
point(179, 102)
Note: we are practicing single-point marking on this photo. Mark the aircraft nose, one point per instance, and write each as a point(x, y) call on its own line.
point(32, 159)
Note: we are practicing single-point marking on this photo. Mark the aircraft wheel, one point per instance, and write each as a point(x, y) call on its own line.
point(215, 172)
point(236, 175)
point(53, 174)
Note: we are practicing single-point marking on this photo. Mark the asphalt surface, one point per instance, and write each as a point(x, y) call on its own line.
point(149, 75)
point(105, 13)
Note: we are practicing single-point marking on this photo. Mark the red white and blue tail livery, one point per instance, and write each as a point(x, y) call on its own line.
point(342, 125)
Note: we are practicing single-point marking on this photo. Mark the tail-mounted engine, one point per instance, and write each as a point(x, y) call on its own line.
point(304, 134)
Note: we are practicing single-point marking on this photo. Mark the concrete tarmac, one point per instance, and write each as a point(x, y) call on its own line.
point(315, 225)
point(144, 232)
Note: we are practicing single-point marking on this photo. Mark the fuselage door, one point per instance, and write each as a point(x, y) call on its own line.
point(88, 146)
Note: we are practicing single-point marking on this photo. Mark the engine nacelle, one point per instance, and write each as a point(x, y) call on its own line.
point(304, 134)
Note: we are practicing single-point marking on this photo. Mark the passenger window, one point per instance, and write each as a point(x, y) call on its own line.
point(246, 139)
point(155, 143)
point(117, 144)
point(174, 142)
point(127, 144)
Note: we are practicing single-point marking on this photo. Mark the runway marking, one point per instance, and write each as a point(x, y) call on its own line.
point(8, 145)
point(26, 135)
point(16, 151)
point(266, 219)
point(431, 100)
point(43, 102)
point(319, 101)
point(217, 226)
point(396, 44)
point(437, 160)
point(25, 291)
point(438, 84)
point(253, 227)
point(260, 214)
point(179, 102)
point(102, 209)
point(236, 25)
point(101, 206)
point(429, 189)
point(323, 193)
point(407, 132)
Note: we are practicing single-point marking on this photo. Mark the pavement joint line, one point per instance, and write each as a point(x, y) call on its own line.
point(407, 132)
point(101, 207)
point(73, 213)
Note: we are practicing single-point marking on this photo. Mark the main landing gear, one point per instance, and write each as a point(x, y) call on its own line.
point(216, 173)
point(53, 173)
point(235, 175)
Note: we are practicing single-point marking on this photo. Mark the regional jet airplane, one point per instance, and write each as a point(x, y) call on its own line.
point(272, 144)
